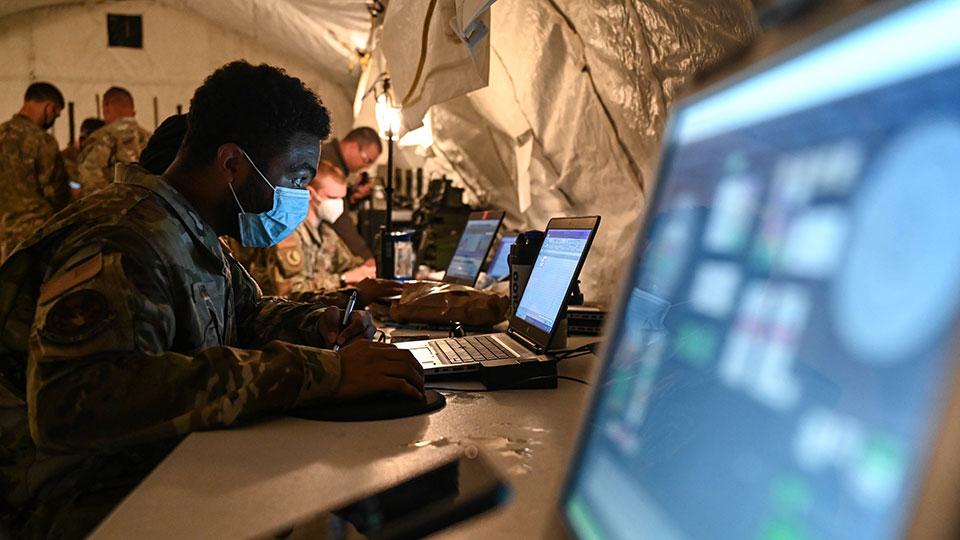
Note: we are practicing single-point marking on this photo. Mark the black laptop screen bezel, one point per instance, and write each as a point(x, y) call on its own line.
point(536, 336)
point(482, 215)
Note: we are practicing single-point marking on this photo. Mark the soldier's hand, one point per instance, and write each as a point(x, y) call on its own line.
point(359, 325)
point(367, 368)
point(375, 289)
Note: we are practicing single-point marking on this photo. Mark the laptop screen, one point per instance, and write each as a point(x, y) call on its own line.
point(473, 247)
point(499, 266)
point(551, 275)
point(778, 368)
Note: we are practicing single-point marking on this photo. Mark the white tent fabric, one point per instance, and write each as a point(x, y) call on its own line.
point(556, 110)
point(65, 42)
point(570, 122)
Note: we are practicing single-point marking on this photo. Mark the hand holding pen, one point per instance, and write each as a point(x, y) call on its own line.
point(351, 303)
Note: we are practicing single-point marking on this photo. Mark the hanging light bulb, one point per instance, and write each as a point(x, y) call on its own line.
point(388, 117)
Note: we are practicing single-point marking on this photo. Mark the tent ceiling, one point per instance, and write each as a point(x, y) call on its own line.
point(325, 33)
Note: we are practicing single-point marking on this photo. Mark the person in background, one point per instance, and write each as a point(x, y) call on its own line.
point(71, 153)
point(339, 159)
point(307, 265)
point(356, 152)
point(127, 325)
point(120, 141)
point(33, 178)
point(313, 263)
point(163, 145)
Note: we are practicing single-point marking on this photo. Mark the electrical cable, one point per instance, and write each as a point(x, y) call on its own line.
point(582, 350)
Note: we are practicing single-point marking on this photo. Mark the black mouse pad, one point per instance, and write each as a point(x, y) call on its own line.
point(379, 407)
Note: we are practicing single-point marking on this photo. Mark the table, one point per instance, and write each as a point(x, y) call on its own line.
point(250, 480)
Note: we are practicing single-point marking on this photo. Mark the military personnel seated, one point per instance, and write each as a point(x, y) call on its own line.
point(71, 153)
point(163, 145)
point(314, 261)
point(120, 141)
point(308, 265)
point(33, 179)
point(126, 325)
point(339, 159)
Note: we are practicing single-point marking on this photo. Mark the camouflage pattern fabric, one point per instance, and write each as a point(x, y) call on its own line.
point(33, 181)
point(306, 266)
point(71, 156)
point(120, 141)
point(125, 325)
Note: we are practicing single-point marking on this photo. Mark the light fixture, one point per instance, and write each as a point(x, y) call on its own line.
point(388, 116)
point(388, 120)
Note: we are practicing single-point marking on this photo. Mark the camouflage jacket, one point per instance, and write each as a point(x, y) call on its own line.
point(120, 141)
point(123, 326)
point(306, 266)
point(70, 155)
point(33, 181)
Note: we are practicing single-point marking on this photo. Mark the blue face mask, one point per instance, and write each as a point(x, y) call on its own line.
point(290, 207)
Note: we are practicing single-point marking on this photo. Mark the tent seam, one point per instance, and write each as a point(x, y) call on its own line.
point(606, 111)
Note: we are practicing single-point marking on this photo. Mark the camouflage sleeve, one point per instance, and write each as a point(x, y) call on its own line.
point(52, 176)
point(337, 298)
point(94, 162)
point(261, 319)
point(102, 371)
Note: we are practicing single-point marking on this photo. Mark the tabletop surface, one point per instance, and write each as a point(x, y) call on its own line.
point(251, 480)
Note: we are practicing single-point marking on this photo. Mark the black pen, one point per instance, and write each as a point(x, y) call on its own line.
point(346, 316)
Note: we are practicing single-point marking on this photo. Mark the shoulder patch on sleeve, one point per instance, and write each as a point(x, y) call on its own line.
point(66, 281)
point(77, 317)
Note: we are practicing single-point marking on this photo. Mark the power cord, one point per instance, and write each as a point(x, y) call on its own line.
point(583, 350)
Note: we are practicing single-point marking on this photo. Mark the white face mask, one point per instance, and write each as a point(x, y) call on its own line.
point(331, 210)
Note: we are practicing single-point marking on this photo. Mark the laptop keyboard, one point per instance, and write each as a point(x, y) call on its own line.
point(469, 349)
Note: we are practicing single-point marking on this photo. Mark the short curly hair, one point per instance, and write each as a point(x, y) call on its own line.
point(260, 108)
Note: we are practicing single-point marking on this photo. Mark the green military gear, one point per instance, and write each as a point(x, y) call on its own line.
point(124, 325)
point(120, 141)
point(33, 181)
point(305, 266)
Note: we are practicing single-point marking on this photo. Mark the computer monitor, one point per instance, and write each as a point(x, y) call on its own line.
point(784, 355)
point(499, 265)
point(473, 248)
point(565, 247)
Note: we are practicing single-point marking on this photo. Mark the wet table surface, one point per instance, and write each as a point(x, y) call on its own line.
point(251, 480)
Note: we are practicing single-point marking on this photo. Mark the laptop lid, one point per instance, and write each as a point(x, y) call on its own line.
point(784, 357)
point(565, 246)
point(473, 248)
point(499, 265)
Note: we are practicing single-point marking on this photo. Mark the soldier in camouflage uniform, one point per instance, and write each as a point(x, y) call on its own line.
point(309, 264)
point(71, 154)
point(120, 141)
point(126, 325)
point(33, 180)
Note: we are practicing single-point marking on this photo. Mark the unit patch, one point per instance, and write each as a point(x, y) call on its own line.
point(76, 317)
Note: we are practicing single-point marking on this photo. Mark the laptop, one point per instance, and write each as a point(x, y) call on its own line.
point(558, 264)
point(499, 265)
point(783, 362)
point(473, 248)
